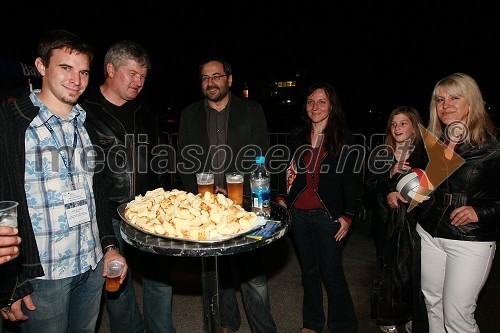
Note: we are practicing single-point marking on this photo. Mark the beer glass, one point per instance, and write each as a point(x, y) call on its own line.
point(234, 181)
point(8, 216)
point(114, 271)
point(205, 182)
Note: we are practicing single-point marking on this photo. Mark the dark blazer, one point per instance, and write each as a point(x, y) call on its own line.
point(339, 187)
point(247, 132)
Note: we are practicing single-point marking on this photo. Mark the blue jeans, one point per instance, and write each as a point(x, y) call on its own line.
point(320, 258)
point(123, 310)
point(246, 267)
point(65, 305)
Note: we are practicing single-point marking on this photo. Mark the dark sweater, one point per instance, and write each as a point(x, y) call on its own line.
point(14, 120)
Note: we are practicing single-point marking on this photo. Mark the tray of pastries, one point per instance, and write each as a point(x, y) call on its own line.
point(190, 217)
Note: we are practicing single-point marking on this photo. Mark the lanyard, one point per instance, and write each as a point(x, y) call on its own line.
point(66, 160)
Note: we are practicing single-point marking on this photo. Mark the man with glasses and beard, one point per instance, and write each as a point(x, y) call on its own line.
point(223, 125)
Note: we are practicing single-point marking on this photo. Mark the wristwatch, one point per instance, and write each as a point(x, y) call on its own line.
point(111, 248)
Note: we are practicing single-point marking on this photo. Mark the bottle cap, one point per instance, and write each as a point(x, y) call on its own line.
point(259, 159)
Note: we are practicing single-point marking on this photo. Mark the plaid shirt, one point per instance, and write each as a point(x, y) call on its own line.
point(64, 251)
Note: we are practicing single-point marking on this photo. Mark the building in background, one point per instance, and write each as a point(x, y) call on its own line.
point(17, 78)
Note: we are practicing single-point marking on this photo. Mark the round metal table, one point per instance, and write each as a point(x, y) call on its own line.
point(208, 252)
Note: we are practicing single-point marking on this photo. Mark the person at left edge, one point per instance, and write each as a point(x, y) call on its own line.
point(128, 127)
point(9, 243)
point(46, 165)
point(9, 246)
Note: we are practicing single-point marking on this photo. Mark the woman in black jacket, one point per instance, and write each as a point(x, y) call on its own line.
point(459, 223)
point(321, 192)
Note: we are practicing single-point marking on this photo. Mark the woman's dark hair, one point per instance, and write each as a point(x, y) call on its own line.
point(334, 131)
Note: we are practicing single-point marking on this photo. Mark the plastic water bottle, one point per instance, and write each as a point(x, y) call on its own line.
point(259, 184)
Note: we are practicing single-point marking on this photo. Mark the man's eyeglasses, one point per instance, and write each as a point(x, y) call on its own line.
point(216, 77)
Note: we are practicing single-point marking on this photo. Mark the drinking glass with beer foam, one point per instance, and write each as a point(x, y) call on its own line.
point(205, 182)
point(114, 271)
point(8, 217)
point(234, 181)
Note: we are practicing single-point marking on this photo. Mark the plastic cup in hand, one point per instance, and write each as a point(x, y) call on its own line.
point(205, 182)
point(8, 216)
point(234, 181)
point(114, 270)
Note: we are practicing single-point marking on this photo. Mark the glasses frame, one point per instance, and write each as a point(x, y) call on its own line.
point(215, 78)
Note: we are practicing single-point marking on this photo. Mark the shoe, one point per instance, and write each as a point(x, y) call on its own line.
point(389, 329)
point(408, 327)
point(307, 330)
point(225, 330)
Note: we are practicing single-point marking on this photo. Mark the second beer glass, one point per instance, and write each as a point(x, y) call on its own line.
point(205, 182)
point(234, 182)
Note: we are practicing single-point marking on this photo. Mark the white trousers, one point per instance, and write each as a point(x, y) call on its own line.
point(453, 274)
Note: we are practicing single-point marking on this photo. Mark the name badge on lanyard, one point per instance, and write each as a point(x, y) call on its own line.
point(75, 203)
point(74, 196)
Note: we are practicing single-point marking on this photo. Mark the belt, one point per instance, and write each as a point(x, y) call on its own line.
point(451, 199)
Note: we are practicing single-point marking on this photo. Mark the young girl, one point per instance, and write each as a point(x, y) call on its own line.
point(394, 234)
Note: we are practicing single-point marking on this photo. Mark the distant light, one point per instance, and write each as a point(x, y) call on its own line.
point(245, 89)
point(285, 84)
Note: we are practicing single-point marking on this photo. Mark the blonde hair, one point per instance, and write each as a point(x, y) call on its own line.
point(480, 126)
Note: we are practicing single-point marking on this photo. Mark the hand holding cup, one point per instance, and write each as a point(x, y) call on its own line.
point(9, 243)
point(9, 240)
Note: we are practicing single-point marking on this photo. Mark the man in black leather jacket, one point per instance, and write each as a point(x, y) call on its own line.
point(129, 138)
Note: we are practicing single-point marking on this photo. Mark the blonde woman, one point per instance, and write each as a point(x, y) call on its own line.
point(459, 224)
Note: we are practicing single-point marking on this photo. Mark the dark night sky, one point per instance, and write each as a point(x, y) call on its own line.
point(378, 55)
